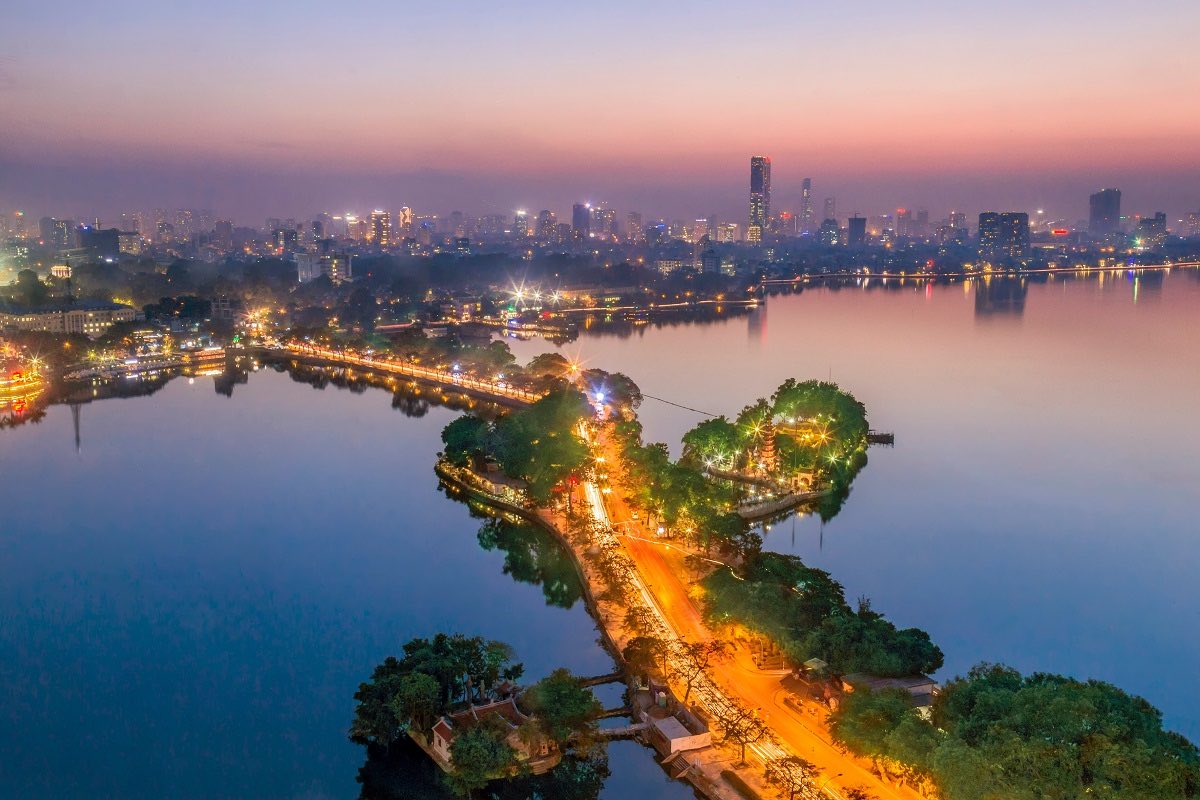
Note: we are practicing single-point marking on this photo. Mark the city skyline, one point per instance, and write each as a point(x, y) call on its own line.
point(486, 111)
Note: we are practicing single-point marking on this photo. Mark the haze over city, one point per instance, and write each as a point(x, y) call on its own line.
point(766, 400)
point(293, 108)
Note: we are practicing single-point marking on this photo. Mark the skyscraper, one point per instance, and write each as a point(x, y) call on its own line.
point(581, 220)
point(379, 230)
point(760, 197)
point(1003, 235)
point(520, 226)
point(831, 208)
point(547, 222)
point(633, 226)
point(856, 230)
point(404, 222)
point(806, 206)
point(1105, 211)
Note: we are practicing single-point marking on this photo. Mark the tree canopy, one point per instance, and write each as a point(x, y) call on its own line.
point(562, 706)
point(432, 675)
point(998, 734)
point(805, 611)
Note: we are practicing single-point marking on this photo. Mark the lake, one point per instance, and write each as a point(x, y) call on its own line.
point(189, 600)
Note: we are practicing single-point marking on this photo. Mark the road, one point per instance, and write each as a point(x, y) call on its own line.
point(494, 390)
point(799, 732)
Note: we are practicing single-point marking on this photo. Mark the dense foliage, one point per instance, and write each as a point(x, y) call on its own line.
point(805, 611)
point(679, 494)
point(413, 691)
point(538, 444)
point(562, 706)
point(996, 734)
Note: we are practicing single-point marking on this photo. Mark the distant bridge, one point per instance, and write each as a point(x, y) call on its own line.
point(496, 391)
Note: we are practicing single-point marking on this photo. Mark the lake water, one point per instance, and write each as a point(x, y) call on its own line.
point(1040, 506)
point(188, 601)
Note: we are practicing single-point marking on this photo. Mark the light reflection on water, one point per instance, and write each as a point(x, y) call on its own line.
point(1039, 505)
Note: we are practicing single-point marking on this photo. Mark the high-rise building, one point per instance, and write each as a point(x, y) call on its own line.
point(604, 222)
point(807, 222)
point(1104, 211)
point(520, 227)
point(831, 208)
point(57, 233)
point(1003, 235)
point(335, 266)
point(547, 223)
point(760, 197)
point(856, 230)
point(354, 227)
point(223, 233)
point(633, 227)
point(1152, 231)
point(1191, 224)
point(727, 232)
point(828, 233)
point(581, 220)
point(404, 222)
point(379, 228)
point(958, 219)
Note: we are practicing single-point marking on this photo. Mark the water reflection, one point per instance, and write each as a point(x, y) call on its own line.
point(533, 556)
point(1000, 296)
point(404, 772)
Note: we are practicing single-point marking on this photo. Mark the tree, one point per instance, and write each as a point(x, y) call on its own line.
point(398, 697)
point(418, 700)
point(551, 364)
point(740, 725)
point(713, 440)
point(792, 774)
point(464, 437)
point(563, 707)
point(539, 443)
point(1001, 734)
point(695, 658)
point(29, 289)
point(360, 308)
point(478, 755)
point(648, 655)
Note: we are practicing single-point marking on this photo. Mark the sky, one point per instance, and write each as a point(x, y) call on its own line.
point(290, 108)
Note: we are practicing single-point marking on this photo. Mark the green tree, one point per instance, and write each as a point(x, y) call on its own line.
point(418, 700)
point(464, 437)
point(479, 755)
point(563, 707)
point(648, 655)
point(716, 440)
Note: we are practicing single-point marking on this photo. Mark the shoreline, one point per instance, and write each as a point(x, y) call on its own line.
point(704, 784)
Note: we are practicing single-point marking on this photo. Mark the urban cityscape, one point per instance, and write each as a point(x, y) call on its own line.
point(731, 485)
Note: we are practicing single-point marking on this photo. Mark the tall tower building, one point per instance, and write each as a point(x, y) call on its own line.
point(404, 222)
point(1105, 211)
point(520, 227)
point(633, 226)
point(547, 223)
point(760, 197)
point(806, 206)
point(379, 228)
point(831, 208)
point(581, 220)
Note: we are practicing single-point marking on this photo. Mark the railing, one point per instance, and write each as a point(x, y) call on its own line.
point(439, 376)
